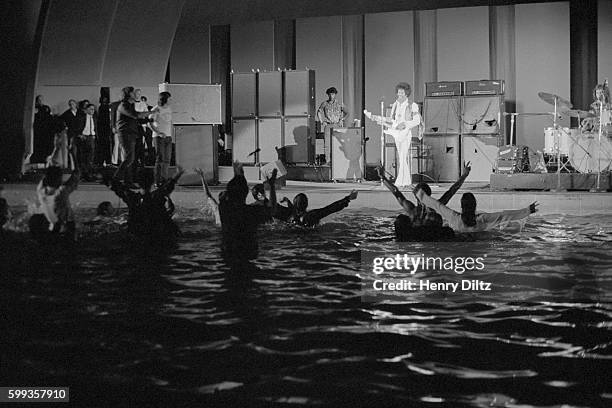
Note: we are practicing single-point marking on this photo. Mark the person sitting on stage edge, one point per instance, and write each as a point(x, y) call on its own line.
point(239, 221)
point(468, 220)
point(54, 214)
point(418, 214)
point(298, 214)
point(149, 211)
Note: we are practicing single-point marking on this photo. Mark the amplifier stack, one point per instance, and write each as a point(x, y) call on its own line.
point(463, 122)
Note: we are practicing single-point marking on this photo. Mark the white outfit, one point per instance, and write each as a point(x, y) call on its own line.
point(162, 120)
point(55, 202)
point(403, 138)
point(484, 221)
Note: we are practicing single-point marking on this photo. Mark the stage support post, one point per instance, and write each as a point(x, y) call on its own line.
point(383, 159)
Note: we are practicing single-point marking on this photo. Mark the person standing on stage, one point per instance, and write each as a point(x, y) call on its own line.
point(128, 124)
point(74, 119)
point(162, 136)
point(331, 114)
point(404, 116)
point(86, 143)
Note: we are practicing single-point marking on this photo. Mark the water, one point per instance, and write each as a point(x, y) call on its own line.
point(124, 324)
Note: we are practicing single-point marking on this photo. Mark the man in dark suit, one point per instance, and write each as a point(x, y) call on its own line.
point(74, 119)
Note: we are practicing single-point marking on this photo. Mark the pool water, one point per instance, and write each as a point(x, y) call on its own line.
point(128, 324)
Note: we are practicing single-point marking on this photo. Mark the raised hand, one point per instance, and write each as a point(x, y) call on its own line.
point(238, 170)
point(199, 171)
point(533, 207)
point(367, 113)
point(467, 167)
point(352, 195)
point(272, 177)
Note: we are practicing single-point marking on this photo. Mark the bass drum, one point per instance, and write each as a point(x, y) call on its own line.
point(588, 155)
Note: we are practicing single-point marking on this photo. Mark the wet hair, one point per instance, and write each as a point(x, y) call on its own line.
point(53, 177)
point(468, 209)
point(433, 219)
point(163, 97)
point(331, 90)
point(300, 202)
point(105, 208)
point(403, 227)
point(258, 189)
point(423, 186)
point(145, 178)
point(125, 92)
point(405, 86)
point(237, 189)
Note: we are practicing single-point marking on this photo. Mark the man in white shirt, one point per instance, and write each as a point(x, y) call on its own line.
point(87, 142)
point(162, 135)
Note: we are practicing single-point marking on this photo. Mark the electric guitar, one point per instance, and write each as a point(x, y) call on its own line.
point(387, 125)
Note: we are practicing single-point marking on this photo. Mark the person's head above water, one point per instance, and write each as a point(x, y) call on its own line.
point(105, 208)
point(145, 179)
point(468, 209)
point(433, 219)
point(237, 190)
point(53, 177)
point(300, 202)
point(403, 227)
point(422, 186)
point(258, 192)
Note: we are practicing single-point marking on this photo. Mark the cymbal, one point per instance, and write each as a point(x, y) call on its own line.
point(550, 98)
point(577, 113)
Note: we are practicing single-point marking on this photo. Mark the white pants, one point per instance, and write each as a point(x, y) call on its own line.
point(404, 173)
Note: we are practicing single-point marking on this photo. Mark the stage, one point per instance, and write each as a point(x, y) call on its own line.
point(371, 195)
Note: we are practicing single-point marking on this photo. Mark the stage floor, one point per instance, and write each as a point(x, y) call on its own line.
point(371, 195)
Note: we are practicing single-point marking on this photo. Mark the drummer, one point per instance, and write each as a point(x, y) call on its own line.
point(601, 95)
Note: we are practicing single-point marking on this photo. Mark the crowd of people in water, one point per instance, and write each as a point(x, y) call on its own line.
point(150, 210)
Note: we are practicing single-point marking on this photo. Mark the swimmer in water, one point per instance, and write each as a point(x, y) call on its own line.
point(54, 214)
point(468, 220)
point(418, 213)
point(149, 211)
point(297, 212)
point(432, 230)
point(239, 221)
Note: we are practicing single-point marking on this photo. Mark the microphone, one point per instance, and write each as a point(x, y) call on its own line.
point(254, 151)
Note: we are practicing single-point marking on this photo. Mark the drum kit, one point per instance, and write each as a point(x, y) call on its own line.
point(588, 151)
point(586, 148)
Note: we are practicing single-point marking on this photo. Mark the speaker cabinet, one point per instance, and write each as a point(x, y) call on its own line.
point(270, 94)
point(299, 143)
point(196, 147)
point(482, 115)
point(270, 136)
point(244, 140)
point(299, 93)
point(444, 153)
point(346, 154)
point(442, 115)
point(481, 151)
point(244, 92)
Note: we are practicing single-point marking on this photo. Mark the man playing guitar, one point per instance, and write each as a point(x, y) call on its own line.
point(404, 117)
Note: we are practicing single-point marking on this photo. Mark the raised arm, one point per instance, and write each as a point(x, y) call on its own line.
point(313, 217)
point(272, 182)
point(492, 220)
point(446, 197)
point(72, 183)
point(453, 217)
point(168, 186)
point(401, 199)
point(205, 186)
